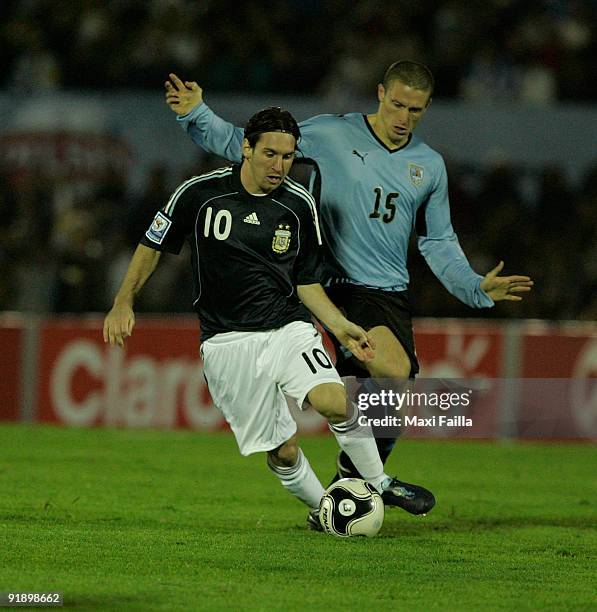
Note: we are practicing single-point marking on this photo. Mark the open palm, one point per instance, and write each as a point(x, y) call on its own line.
point(505, 287)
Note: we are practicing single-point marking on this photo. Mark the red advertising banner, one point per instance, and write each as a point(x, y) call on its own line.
point(156, 382)
point(567, 409)
point(11, 341)
point(462, 350)
point(454, 349)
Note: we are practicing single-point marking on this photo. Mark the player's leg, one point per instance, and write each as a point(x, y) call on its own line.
point(357, 442)
point(390, 361)
point(290, 465)
point(242, 388)
point(307, 372)
point(388, 316)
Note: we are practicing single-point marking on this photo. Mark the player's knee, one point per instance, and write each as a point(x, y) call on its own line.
point(399, 367)
point(396, 370)
point(286, 455)
point(391, 358)
point(329, 399)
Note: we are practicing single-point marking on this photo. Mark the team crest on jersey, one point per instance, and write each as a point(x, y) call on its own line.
point(281, 241)
point(416, 174)
point(159, 228)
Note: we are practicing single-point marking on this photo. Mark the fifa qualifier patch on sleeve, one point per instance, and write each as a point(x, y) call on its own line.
point(159, 228)
point(415, 173)
point(281, 241)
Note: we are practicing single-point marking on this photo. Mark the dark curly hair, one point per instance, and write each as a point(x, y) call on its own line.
point(271, 119)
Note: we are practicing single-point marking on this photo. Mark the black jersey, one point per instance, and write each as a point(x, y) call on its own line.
point(248, 252)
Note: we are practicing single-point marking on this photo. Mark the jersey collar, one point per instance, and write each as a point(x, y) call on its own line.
point(381, 142)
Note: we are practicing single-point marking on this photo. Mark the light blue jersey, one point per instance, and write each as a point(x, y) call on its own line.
point(371, 201)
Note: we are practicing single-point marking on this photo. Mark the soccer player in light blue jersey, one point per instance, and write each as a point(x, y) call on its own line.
point(377, 183)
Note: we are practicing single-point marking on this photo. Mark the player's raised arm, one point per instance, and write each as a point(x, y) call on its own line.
point(205, 128)
point(353, 337)
point(119, 322)
point(182, 97)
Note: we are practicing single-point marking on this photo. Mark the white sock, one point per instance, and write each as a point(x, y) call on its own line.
point(358, 443)
point(300, 480)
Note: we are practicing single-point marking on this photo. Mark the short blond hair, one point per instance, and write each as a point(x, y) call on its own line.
point(413, 74)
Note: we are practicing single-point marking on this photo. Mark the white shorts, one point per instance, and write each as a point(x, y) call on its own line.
point(249, 374)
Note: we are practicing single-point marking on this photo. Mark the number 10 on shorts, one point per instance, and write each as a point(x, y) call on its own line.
point(319, 357)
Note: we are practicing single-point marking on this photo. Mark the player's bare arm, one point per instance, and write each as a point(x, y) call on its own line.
point(119, 322)
point(353, 337)
point(505, 287)
point(182, 96)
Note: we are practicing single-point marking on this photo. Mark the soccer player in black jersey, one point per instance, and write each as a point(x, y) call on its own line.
point(254, 240)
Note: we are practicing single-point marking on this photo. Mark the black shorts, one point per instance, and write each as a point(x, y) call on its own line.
point(370, 308)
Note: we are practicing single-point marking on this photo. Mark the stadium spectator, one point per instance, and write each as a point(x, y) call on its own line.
point(78, 256)
point(26, 209)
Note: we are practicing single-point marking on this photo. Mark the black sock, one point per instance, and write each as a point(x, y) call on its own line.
point(348, 464)
point(385, 446)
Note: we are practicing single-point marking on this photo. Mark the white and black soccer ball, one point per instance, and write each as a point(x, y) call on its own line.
point(351, 507)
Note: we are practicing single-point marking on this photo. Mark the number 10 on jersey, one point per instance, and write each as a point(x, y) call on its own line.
point(221, 226)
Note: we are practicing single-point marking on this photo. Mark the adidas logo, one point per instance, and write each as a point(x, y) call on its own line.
point(252, 218)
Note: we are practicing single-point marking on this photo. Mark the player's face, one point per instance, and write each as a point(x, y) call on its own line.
point(400, 109)
point(268, 162)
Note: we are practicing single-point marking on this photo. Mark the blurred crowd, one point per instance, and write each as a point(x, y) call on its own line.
point(534, 52)
point(65, 246)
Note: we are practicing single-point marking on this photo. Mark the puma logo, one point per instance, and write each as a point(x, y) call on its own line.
point(361, 157)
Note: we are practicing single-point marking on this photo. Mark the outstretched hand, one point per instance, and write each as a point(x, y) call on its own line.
point(356, 340)
point(505, 287)
point(182, 97)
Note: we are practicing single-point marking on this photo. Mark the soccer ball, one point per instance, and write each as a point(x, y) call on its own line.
point(351, 507)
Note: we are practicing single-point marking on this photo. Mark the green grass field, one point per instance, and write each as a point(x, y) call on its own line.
point(147, 520)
